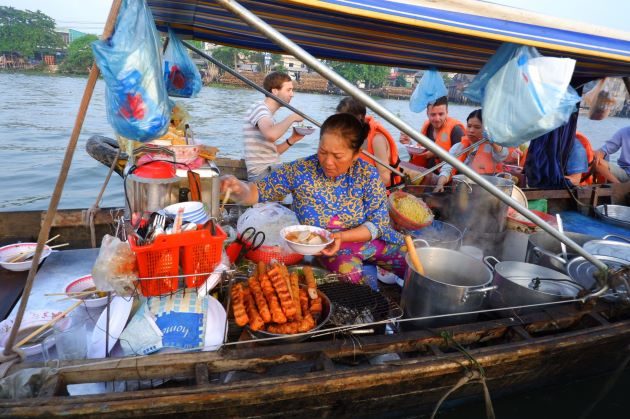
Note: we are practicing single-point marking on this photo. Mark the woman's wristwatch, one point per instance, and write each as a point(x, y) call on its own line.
point(288, 143)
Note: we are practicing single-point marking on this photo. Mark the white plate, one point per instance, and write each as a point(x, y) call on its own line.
point(119, 311)
point(215, 325)
point(189, 207)
point(31, 320)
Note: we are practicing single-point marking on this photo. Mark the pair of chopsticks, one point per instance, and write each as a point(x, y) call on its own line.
point(17, 257)
point(23, 256)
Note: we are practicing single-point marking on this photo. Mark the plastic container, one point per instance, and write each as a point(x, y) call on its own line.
point(517, 222)
point(193, 251)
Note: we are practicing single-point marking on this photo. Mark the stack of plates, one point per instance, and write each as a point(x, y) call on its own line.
point(194, 212)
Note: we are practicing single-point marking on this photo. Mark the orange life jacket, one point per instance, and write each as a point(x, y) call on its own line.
point(587, 177)
point(482, 161)
point(394, 159)
point(442, 137)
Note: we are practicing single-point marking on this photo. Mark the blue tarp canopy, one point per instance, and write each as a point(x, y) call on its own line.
point(458, 36)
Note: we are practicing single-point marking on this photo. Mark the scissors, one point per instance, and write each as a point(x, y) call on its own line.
point(251, 240)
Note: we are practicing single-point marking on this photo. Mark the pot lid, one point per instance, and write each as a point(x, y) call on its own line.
point(612, 248)
point(583, 272)
point(156, 169)
point(551, 286)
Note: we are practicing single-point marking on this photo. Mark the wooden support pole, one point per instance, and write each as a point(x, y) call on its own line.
point(61, 180)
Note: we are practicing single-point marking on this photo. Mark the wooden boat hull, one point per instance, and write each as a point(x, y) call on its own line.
point(302, 379)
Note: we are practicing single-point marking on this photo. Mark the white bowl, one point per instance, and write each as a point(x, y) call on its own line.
point(81, 284)
point(415, 149)
point(31, 321)
point(304, 130)
point(190, 207)
point(306, 249)
point(12, 250)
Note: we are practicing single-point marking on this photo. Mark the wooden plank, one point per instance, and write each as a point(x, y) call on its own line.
point(582, 193)
point(202, 377)
point(76, 218)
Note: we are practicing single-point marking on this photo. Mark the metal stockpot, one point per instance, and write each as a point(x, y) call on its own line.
point(473, 208)
point(453, 283)
point(519, 284)
point(544, 249)
point(210, 186)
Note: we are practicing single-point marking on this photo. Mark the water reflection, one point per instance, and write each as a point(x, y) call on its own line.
point(38, 112)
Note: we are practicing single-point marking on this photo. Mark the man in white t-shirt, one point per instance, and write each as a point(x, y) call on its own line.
point(261, 132)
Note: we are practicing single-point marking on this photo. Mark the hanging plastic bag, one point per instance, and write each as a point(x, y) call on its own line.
point(477, 87)
point(607, 94)
point(430, 88)
point(136, 99)
point(270, 218)
point(181, 75)
point(527, 97)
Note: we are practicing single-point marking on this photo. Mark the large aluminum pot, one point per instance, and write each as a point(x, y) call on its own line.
point(473, 208)
point(519, 284)
point(149, 195)
point(544, 249)
point(209, 184)
point(453, 283)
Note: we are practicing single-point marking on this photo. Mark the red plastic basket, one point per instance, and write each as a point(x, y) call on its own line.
point(194, 251)
point(399, 221)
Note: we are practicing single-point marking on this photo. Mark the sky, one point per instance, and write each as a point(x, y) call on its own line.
point(90, 15)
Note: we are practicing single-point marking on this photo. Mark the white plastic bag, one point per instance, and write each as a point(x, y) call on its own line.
point(608, 94)
point(528, 97)
point(270, 218)
point(115, 267)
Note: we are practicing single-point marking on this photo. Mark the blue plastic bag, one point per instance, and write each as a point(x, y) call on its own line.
point(525, 97)
point(477, 87)
point(430, 88)
point(136, 99)
point(181, 75)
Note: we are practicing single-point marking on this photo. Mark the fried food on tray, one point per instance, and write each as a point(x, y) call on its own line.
point(274, 300)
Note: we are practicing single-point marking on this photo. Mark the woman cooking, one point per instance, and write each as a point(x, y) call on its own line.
point(337, 191)
point(484, 159)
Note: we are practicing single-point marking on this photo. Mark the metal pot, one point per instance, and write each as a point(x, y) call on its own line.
point(583, 272)
point(519, 284)
point(545, 250)
point(473, 208)
point(453, 283)
point(210, 186)
point(149, 195)
point(439, 234)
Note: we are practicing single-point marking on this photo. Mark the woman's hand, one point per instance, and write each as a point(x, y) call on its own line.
point(333, 247)
point(404, 138)
point(439, 187)
point(240, 191)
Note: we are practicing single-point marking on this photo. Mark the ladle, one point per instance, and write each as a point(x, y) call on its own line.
point(413, 255)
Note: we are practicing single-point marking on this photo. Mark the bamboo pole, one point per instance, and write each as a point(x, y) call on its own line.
point(61, 180)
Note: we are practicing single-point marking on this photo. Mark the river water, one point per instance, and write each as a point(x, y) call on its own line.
point(37, 114)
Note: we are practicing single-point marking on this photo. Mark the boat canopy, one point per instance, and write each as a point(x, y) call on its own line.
point(457, 36)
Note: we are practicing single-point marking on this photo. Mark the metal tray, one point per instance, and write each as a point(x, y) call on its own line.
point(614, 214)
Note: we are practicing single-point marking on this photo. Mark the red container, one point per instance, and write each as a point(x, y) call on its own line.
point(193, 251)
point(399, 221)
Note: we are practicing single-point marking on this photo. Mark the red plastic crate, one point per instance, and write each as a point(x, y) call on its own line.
point(194, 251)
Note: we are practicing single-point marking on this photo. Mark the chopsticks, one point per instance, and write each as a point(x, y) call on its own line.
point(225, 200)
point(71, 293)
point(47, 325)
point(24, 256)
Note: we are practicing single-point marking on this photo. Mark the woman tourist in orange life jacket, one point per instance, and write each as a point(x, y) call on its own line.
point(486, 159)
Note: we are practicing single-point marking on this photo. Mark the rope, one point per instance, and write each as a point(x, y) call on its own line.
point(89, 215)
point(472, 376)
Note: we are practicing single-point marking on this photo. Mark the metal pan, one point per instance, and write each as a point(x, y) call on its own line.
point(614, 214)
point(583, 272)
point(609, 246)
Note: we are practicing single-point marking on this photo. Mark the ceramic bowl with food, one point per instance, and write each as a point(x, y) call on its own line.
point(31, 321)
point(21, 250)
point(305, 130)
point(414, 149)
point(79, 290)
point(306, 240)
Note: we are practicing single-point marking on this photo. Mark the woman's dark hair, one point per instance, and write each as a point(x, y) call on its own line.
point(475, 114)
point(352, 106)
point(348, 127)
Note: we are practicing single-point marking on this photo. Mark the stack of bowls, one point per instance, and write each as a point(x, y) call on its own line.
point(194, 212)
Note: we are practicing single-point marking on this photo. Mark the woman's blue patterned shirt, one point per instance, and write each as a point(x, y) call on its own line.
point(336, 204)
